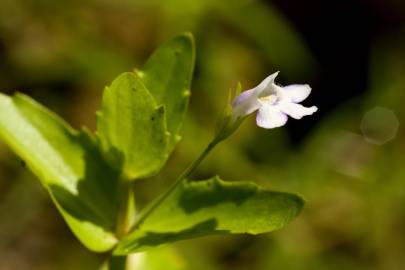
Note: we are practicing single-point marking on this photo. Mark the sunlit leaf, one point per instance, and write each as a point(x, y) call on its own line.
point(69, 166)
point(132, 128)
point(212, 207)
point(167, 75)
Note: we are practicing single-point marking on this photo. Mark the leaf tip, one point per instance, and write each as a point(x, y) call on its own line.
point(187, 40)
point(188, 35)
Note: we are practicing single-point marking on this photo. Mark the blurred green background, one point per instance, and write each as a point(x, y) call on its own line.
point(348, 160)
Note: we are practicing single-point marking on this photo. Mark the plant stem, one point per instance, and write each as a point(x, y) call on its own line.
point(117, 263)
point(179, 180)
point(125, 219)
point(126, 210)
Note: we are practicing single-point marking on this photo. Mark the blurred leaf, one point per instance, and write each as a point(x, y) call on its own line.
point(131, 128)
point(23, 192)
point(69, 166)
point(387, 72)
point(156, 259)
point(160, 258)
point(167, 75)
point(212, 207)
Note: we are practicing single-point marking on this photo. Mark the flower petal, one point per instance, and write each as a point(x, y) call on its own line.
point(266, 82)
point(270, 117)
point(297, 92)
point(245, 103)
point(297, 111)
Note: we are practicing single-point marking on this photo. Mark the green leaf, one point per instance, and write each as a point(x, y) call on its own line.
point(68, 164)
point(167, 75)
point(142, 112)
point(132, 128)
point(212, 207)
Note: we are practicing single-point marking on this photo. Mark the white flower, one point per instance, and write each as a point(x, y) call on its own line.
point(273, 102)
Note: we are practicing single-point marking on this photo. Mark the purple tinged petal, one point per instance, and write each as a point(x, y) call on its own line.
point(243, 97)
point(247, 102)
